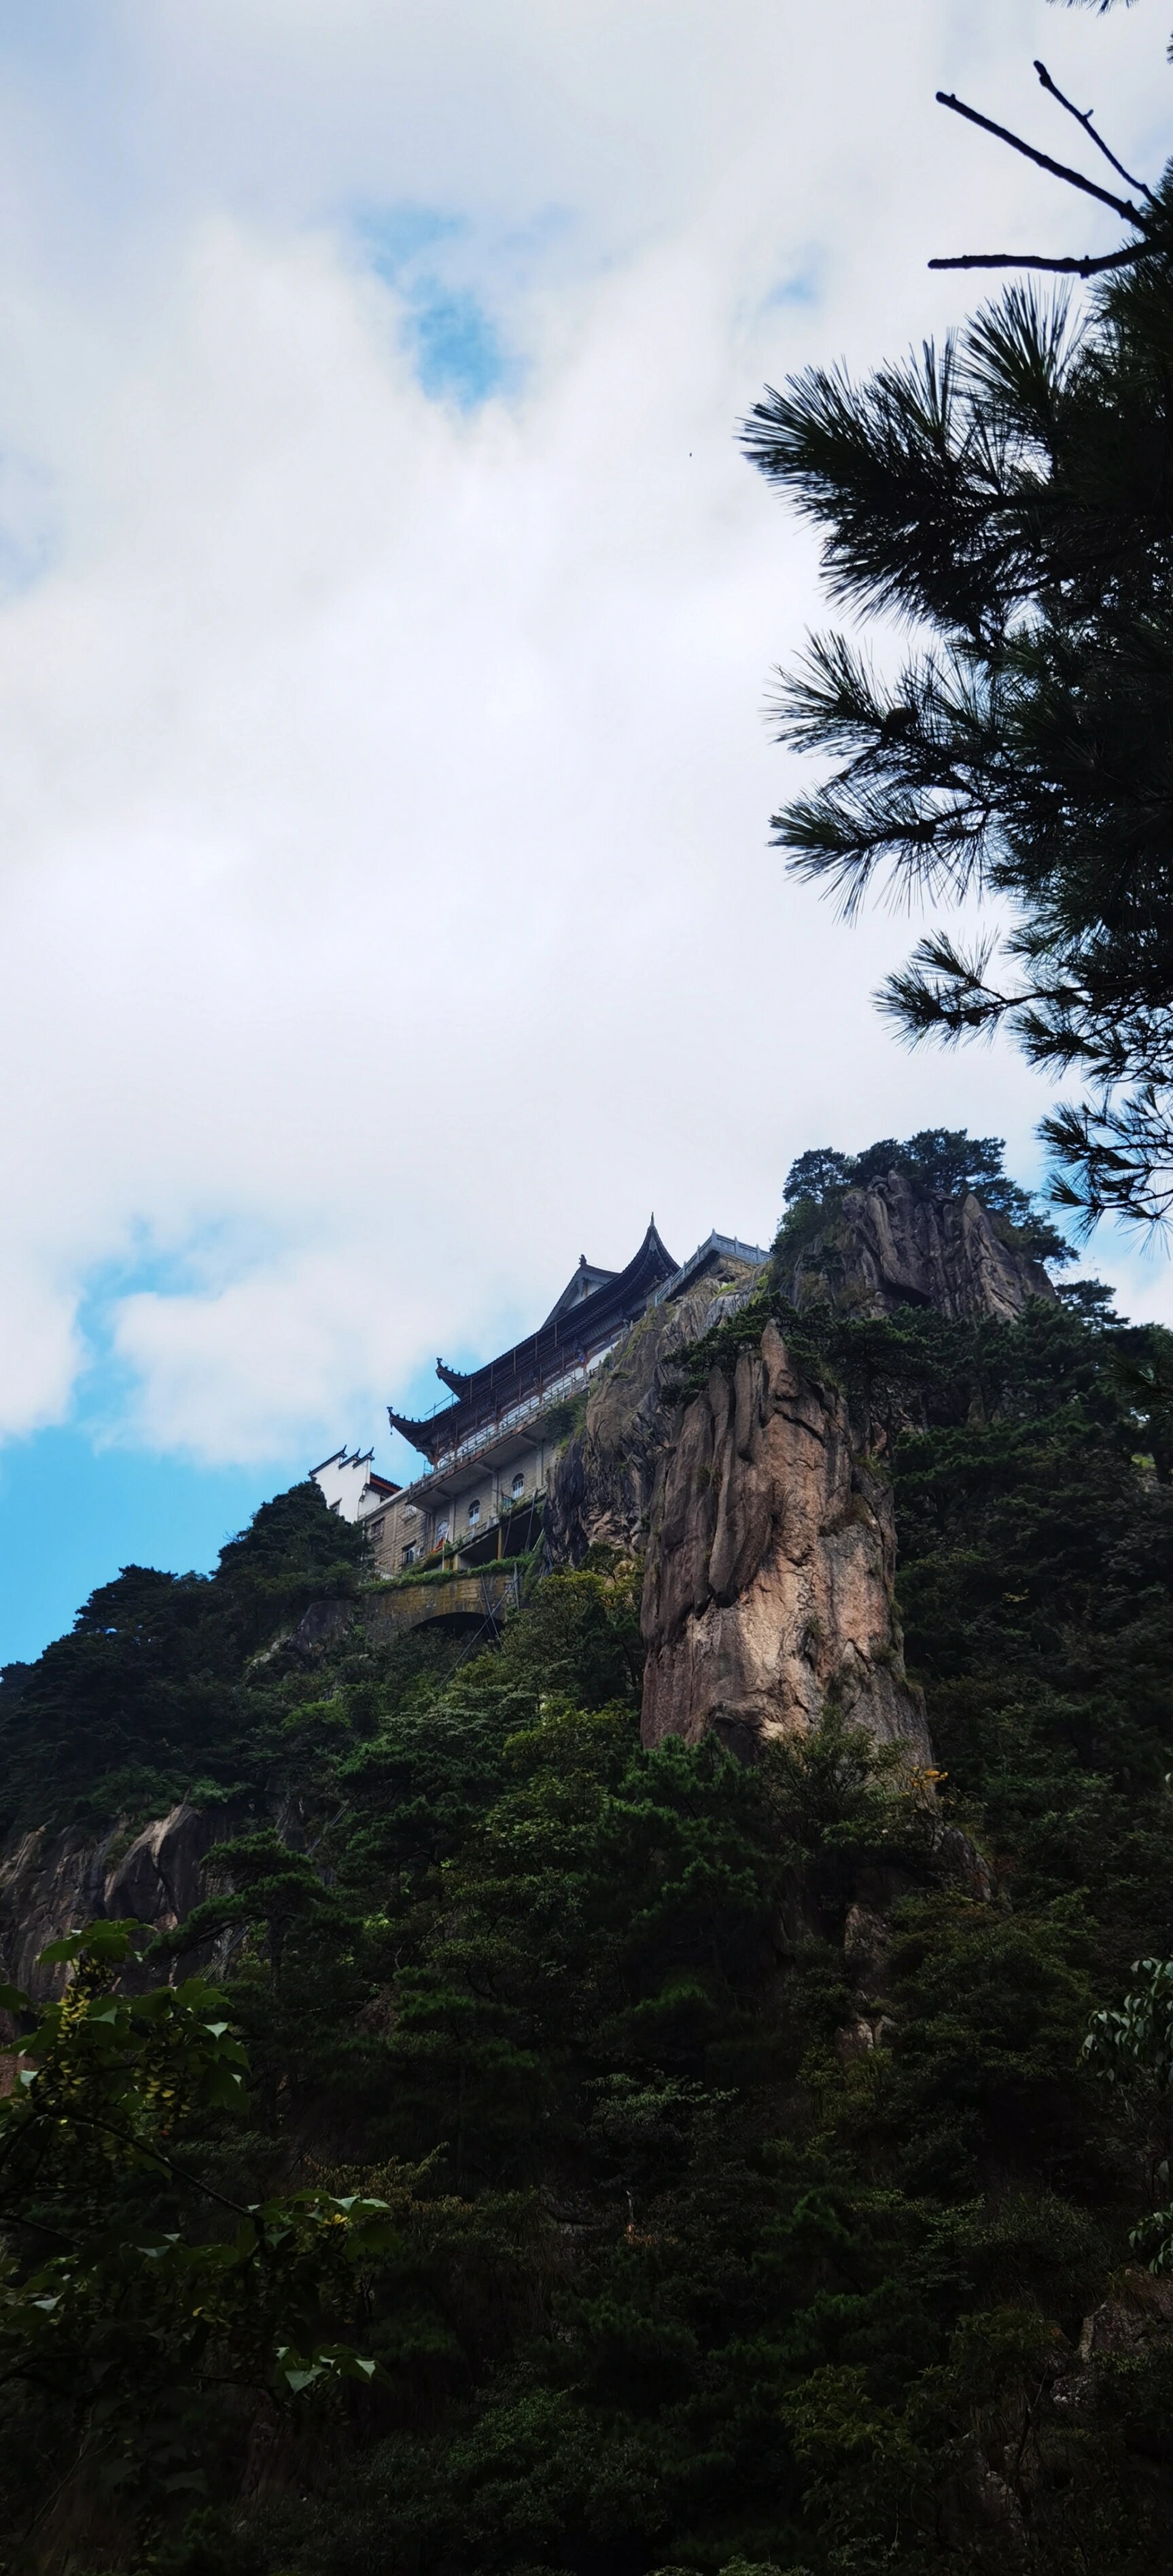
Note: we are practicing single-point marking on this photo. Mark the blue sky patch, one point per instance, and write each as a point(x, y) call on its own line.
point(393, 237)
point(803, 286)
point(427, 255)
point(71, 1515)
point(455, 344)
point(79, 1500)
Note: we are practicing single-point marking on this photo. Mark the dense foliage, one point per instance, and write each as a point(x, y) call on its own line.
point(746, 2177)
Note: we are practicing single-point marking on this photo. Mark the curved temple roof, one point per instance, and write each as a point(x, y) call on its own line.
point(586, 1318)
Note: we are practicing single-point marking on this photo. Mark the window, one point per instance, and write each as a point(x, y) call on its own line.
point(441, 1532)
point(408, 1557)
point(474, 1514)
point(376, 1529)
point(518, 1485)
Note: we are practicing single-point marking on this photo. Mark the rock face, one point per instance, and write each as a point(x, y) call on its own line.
point(1136, 2318)
point(889, 1247)
point(885, 1247)
point(770, 1540)
point(768, 1591)
point(602, 1486)
point(48, 1884)
point(52, 1884)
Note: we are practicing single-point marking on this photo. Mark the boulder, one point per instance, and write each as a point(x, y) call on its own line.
point(1137, 2315)
point(161, 1877)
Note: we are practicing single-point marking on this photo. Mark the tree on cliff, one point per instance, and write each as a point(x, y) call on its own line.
point(1010, 496)
point(943, 1162)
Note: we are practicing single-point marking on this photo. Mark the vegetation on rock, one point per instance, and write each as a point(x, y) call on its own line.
point(940, 1162)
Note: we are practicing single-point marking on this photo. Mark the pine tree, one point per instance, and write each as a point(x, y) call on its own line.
point(1009, 496)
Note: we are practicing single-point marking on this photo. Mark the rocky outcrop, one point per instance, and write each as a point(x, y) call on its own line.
point(1136, 2319)
point(881, 1248)
point(321, 1627)
point(602, 1486)
point(768, 1589)
point(770, 1541)
point(887, 1246)
point(51, 1884)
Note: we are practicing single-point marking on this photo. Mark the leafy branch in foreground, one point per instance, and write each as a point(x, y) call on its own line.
point(113, 2290)
point(1130, 2047)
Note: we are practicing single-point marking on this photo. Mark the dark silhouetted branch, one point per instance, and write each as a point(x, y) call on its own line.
point(1061, 267)
point(1058, 169)
point(1085, 119)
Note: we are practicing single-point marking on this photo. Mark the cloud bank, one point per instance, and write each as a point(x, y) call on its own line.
point(385, 622)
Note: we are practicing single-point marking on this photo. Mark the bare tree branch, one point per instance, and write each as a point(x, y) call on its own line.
point(1058, 169)
point(1084, 118)
point(1062, 267)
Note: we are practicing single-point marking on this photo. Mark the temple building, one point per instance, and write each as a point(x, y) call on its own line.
point(489, 1451)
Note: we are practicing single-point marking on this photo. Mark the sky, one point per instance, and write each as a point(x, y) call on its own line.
point(387, 617)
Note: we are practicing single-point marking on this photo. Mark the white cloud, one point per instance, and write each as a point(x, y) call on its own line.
point(386, 910)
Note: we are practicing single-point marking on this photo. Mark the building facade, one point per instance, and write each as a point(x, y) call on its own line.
point(490, 1450)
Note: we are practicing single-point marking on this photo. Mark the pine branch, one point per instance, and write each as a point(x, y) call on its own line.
point(890, 472)
point(1017, 358)
point(1011, 494)
point(845, 834)
point(1120, 1161)
point(943, 994)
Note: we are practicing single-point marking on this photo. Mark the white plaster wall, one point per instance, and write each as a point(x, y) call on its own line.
point(343, 1481)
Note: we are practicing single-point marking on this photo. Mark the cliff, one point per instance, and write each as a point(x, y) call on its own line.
point(890, 1245)
point(51, 1884)
point(601, 1490)
point(771, 1554)
point(769, 1533)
